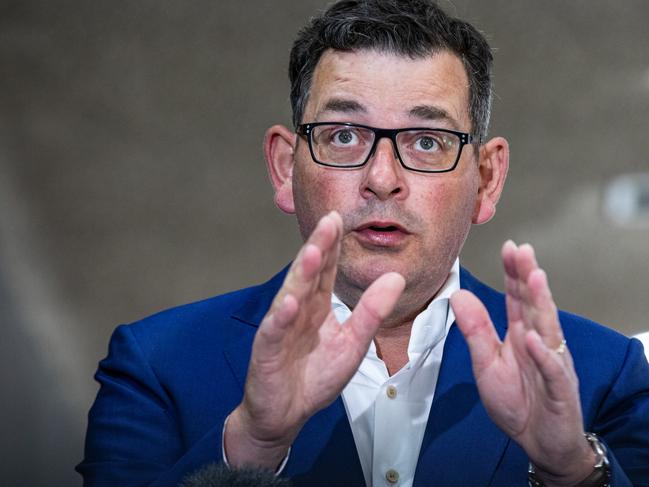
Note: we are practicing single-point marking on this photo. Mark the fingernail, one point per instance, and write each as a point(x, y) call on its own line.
point(526, 247)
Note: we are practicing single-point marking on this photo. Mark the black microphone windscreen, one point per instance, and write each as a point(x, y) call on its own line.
point(218, 475)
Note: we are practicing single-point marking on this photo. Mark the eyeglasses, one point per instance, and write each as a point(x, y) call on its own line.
point(349, 145)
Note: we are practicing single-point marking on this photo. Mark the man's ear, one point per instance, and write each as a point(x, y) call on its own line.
point(279, 148)
point(493, 166)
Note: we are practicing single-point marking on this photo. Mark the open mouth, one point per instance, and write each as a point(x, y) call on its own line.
point(389, 228)
point(382, 234)
point(379, 226)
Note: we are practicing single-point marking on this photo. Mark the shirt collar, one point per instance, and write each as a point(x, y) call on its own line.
point(429, 326)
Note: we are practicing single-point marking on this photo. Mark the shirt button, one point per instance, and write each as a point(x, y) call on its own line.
point(392, 476)
point(391, 392)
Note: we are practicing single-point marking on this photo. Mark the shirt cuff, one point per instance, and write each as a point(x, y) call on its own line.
point(279, 469)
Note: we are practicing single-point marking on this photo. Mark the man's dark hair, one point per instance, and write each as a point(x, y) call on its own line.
point(414, 28)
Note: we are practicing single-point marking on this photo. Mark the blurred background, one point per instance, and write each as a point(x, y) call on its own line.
point(132, 176)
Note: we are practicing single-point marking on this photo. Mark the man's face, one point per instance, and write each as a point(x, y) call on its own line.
point(394, 219)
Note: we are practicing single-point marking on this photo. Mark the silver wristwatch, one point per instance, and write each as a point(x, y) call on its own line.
point(601, 475)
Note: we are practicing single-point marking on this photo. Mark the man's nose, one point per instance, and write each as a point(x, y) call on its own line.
point(384, 175)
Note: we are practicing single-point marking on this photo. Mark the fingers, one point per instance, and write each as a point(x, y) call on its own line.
point(314, 266)
point(511, 281)
point(473, 320)
point(518, 263)
point(313, 270)
point(274, 324)
point(330, 263)
point(375, 305)
point(528, 294)
point(559, 379)
point(543, 310)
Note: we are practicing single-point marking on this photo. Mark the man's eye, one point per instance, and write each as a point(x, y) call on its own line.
point(427, 143)
point(344, 137)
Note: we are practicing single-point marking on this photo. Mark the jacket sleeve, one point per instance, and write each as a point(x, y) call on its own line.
point(623, 421)
point(133, 436)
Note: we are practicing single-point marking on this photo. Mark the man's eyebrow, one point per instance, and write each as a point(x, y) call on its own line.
point(342, 105)
point(428, 112)
point(425, 112)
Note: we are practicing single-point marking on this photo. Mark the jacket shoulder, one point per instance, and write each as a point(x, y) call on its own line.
point(212, 317)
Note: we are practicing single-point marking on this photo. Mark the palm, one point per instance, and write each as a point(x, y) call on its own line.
point(310, 370)
point(517, 408)
point(334, 358)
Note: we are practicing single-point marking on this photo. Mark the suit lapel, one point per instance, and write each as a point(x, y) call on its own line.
point(461, 445)
point(324, 453)
point(244, 323)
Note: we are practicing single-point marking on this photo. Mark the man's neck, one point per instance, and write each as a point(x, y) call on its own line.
point(392, 346)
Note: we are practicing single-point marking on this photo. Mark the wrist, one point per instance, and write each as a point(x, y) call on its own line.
point(243, 448)
point(592, 471)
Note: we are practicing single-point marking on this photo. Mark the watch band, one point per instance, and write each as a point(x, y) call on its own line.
point(601, 475)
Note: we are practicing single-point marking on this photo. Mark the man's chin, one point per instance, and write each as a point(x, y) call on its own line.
point(356, 276)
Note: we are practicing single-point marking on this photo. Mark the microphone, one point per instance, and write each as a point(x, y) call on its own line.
point(218, 475)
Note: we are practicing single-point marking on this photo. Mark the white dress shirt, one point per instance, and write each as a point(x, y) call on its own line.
point(388, 415)
point(644, 338)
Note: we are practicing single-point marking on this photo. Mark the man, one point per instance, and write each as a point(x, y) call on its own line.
point(388, 168)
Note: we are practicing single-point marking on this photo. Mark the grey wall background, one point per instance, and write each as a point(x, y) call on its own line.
point(132, 178)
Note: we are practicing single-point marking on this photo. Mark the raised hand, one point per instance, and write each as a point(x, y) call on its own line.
point(302, 357)
point(528, 382)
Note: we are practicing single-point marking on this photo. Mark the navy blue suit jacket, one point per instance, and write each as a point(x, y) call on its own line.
point(170, 380)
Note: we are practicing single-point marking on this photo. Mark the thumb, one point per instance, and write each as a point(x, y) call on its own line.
point(473, 321)
point(375, 305)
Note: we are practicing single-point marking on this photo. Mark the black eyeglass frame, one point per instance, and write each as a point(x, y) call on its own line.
point(306, 130)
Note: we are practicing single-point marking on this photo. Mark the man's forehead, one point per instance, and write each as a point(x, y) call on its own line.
point(430, 87)
point(422, 112)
